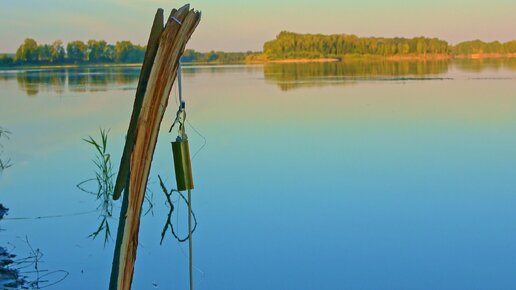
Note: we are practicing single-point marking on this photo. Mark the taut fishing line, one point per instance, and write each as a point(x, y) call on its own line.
point(183, 174)
point(205, 141)
point(48, 216)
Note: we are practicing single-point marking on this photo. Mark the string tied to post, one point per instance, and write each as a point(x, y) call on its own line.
point(176, 20)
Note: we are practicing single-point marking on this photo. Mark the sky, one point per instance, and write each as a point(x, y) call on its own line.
point(240, 25)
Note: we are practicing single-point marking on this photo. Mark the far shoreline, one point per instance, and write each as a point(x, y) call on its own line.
point(65, 66)
point(345, 58)
point(303, 60)
point(354, 57)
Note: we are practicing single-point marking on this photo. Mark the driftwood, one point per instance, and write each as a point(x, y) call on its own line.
point(172, 41)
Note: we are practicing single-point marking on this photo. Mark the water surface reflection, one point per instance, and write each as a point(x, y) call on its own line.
point(32, 82)
point(291, 76)
point(396, 180)
point(286, 76)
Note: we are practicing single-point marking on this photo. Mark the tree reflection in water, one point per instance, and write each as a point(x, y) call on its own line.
point(78, 80)
point(294, 75)
point(286, 75)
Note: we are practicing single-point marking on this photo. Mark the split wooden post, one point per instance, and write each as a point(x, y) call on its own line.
point(143, 133)
point(148, 61)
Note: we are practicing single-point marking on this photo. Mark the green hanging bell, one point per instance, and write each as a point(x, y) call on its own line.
point(182, 165)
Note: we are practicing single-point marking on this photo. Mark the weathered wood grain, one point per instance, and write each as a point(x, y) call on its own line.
point(123, 173)
point(148, 61)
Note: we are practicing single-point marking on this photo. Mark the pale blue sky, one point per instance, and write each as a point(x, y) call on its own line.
point(234, 25)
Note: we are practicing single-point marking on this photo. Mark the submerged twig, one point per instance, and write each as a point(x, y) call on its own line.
point(25, 273)
point(30, 265)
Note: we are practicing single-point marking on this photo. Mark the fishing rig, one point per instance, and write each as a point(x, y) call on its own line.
point(183, 165)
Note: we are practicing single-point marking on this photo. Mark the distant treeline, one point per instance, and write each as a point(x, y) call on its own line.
point(288, 45)
point(480, 47)
point(100, 52)
point(216, 57)
point(76, 52)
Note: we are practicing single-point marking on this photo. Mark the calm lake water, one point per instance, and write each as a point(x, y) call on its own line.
point(314, 176)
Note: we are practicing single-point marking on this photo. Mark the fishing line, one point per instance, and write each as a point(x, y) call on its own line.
point(190, 253)
point(50, 216)
point(177, 92)
point(203, 275)
point(175, 208)
point(203, 138)
point(183, 172)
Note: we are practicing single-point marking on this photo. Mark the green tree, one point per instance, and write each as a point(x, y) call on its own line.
point(96, 50)
point(494, 47)
point(6, 60)
point(294, 45)
point(421, 46)
point(76, 51)
point(510, 46)
point(210, 56)
point(126, 52)
point(109, 53)
point(57, 52)
point(191, 55)
point(44, 53)
point(28, 51)
point(470, 47)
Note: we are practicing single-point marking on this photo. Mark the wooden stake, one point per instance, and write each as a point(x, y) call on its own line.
point(173, 39)
point(123, 173)
point(148, 61)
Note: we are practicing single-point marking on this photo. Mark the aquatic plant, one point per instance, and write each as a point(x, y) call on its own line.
point(4, 163)
point(104, 180)
point(4, 132)
point(25, 273)
point(9, 277)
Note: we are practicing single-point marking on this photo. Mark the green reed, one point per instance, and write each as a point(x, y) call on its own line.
point(105, 185)
point(4, 163)
point(104, 179)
